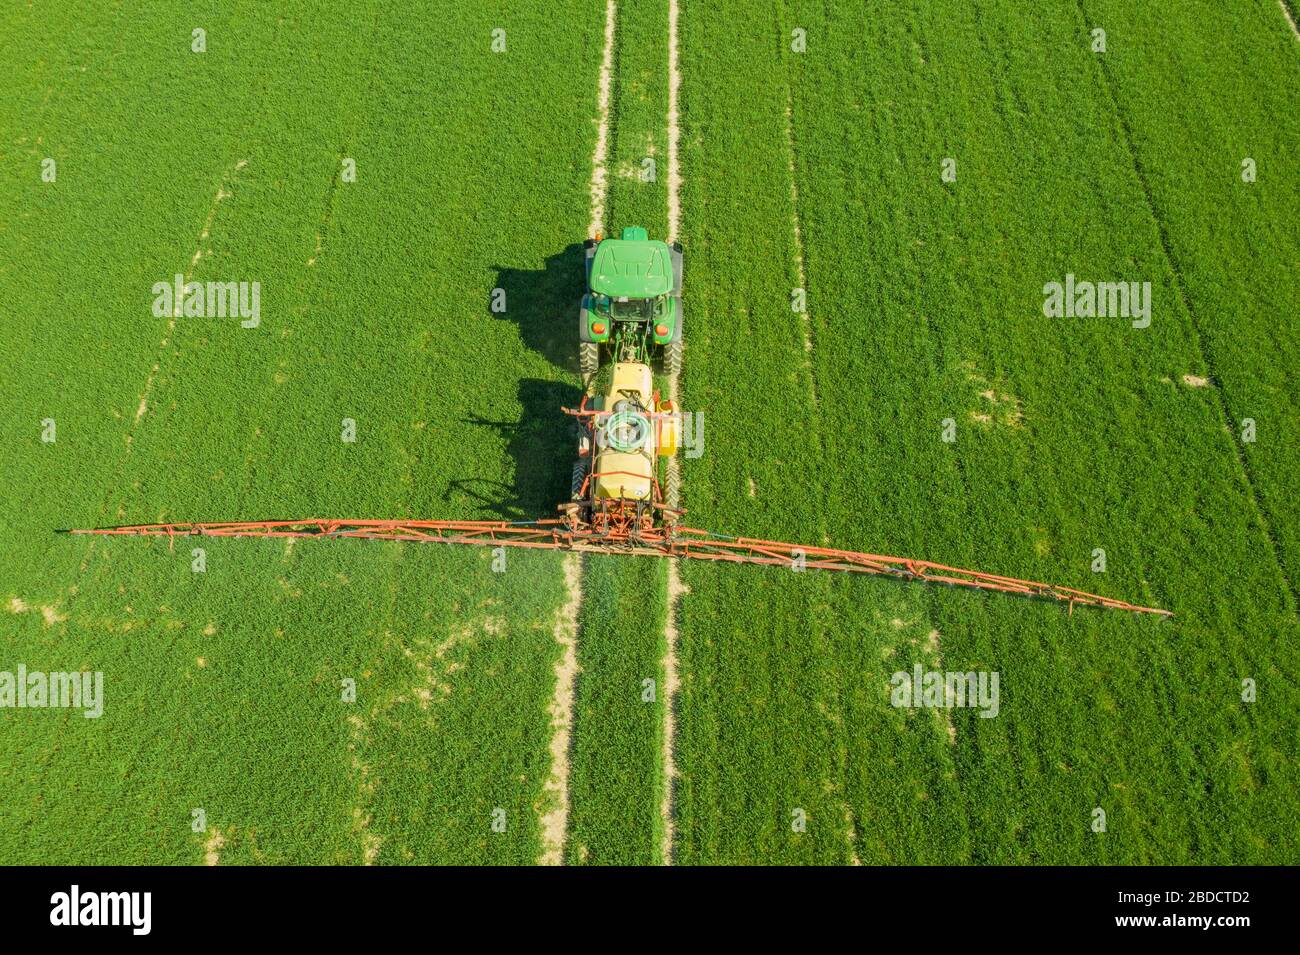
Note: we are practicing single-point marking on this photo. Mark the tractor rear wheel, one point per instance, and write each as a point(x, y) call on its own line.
point(579, 477)
point(673, 358)
point(588, 358)
point(673, 486)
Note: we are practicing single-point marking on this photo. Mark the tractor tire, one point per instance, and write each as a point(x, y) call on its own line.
point(579, 476)
point(673, 486)
point(673, 358)
point(588, 358)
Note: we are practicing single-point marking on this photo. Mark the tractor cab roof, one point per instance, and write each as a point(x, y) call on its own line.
point(632, 268)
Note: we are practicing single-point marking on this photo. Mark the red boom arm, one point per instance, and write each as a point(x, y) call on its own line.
point(659, 541)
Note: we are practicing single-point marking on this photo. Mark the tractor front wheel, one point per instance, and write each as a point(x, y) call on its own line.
point(673, 358)
point(588, 358)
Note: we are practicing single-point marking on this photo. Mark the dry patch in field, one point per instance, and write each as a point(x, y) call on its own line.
point(851, 833)
point(929, 649)
point(361, 820)
point(933, 650)
point(633, 168)
point(996, 406)
point(432, 684)
point(49, 613)
point(216, 841)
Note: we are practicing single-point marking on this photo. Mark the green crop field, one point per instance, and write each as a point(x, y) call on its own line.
point(874, 200)
point(925, 303)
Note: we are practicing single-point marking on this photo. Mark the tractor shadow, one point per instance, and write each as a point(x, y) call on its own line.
point(544, 304)
point(542, 446)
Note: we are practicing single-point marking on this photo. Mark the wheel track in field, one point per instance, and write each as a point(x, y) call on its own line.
point(227, 179)
point(555, 816)
point(323, 229)
point(600, 157)
point(555, 820)
point(1229, 420)
point(805, 320)
point(675, 588)
point(1290, 17)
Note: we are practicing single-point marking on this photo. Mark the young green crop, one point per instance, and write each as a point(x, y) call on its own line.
point(926, 308)
point(756, 746)
point(1227, 199)
point(821, 170)
point(223, 688)
point(615, 778)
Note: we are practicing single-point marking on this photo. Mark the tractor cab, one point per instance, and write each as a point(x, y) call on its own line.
point(632, 303)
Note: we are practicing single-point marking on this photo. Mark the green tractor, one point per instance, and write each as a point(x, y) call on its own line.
point(633, 302)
